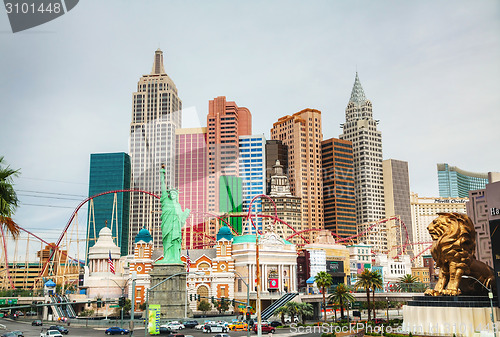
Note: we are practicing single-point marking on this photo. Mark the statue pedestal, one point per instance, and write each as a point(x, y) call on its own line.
point(171, 294)
point(460, 315)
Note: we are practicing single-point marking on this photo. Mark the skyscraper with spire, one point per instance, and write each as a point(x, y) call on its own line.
point(156, 114)
point(361, 129)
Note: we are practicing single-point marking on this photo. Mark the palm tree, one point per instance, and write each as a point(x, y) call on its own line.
point(282, 311)
point(305, 310)
point(365, 281)
point(8, 199)
point(406, 282)
point(292, 309)
point(323, 280)
point(342, 295)
point(377, 284)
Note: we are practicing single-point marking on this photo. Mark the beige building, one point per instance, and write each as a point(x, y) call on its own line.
point(302, 133)
point(423, 211)
point(397, 203)
point(421, 274)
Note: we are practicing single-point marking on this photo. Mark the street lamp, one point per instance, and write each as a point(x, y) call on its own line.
point(387, 299)
point(156, 285)
point(248, 297)
point(490, 295)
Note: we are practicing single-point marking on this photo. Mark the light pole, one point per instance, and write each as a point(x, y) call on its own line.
point(387, 299)
point(132, 305)
point(490, 295)
point(156, 285)
point(248, 297)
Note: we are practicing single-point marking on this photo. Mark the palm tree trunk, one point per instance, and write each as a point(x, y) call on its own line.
point(368, 300)
point(324, 305)
point(341, 309)
point(374, 309)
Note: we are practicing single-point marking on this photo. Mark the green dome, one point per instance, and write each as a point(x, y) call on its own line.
point(144, 235)
point(225, 232)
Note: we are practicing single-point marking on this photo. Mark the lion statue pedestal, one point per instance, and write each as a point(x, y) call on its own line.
point(456, 305)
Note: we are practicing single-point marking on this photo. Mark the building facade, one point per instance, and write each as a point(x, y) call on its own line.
point(252, 167)
point(226, 122)
point(423, 211)
point(192, 183)
point(140, 266)
point(156, 115)
point(339, 202)
point(361, 129)
point(109, 172)
point(456, 183)
point(231, 201)
point(397, 203)
point(275, 150)
point(302, 133)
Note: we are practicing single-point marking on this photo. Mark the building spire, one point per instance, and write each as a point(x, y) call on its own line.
point(158, 63)
point(357, 94)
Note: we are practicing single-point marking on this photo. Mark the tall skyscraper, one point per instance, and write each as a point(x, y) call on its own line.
point(230, 200)
point(302, 133)
point(275, 150)
point(456, 183)
point(109, 172)
point(397, 203)
point(191, 180)
point(253, 174)
point(226, 122)
point(339, 202)
point(156, 114)
point(361, 129)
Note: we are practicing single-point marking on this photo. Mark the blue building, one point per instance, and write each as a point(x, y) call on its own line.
point(252, 166)
point(109, 172)
point(456, 183)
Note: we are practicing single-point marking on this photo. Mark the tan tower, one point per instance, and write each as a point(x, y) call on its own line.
point(302, 133)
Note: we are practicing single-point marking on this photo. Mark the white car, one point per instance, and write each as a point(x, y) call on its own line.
point(199, 326)
point(288, 320)
point(51, 333)
point(214, 328)
point(174, 325)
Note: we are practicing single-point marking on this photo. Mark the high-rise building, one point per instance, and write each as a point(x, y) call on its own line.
point(302, 133)
point(230, 200)
point(423, 212)
point(275, 150)
point(156, 114)
point(456, 183)
point(339, 202)
point(288, 206)
point(192, 181)
point(109, 172)
point(361, 129)
point(226, 122)
point(397, 203)
point(252, 168)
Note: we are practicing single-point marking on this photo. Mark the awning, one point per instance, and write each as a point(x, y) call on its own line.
point(311, 280)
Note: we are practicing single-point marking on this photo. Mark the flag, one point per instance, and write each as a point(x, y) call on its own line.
point(188, 260)
point(111, 265)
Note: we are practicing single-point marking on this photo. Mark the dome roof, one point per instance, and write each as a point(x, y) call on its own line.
point(104, 246)
point(50, 283)
point(225, 233)
point(144, 236)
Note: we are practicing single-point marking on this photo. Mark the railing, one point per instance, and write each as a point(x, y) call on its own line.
point(269, 311)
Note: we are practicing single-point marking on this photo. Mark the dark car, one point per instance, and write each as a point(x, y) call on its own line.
point(165, 331)
point(37, 322)
point(59, 328)
point(190, 324)
point(266, 328)
point(275, 324)
point(9, 334)
point(115, 330)
point(18, 333)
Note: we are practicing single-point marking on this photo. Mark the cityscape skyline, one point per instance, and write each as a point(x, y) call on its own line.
point(52, 147)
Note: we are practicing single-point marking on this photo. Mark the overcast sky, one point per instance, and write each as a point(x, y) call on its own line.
point(430, 68)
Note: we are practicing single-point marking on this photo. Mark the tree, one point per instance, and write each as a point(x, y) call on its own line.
point(323, 280)
point(365, 281)
point(292, 309)
point(282, 311)
point(342, 295)
point(406, 283)
point(377, 284)
point(304, 310)
point(204, 306)
point(8, 199)
point(222, 305)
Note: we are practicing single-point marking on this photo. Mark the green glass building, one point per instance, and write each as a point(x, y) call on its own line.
point(231, 199)
point(456, 183)
point(109, 172)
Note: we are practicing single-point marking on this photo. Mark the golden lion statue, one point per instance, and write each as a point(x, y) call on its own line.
point(453, 250)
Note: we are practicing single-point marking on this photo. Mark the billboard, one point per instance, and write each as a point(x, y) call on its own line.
point(333, 267)
point(154, 319)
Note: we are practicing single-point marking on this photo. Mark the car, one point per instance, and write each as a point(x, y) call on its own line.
point(222, 335)
point(190, 324)
point(165, 331)
point(174, 325)
point(60, 328)
point(37, 322)
point(18, 333)
point(51, 333)
point(236, 326)
point(214, 328)
point(8, 334)
point(116, 330)
point(275, 324)
point(288, 320)
point(266, 328)
point(199, 326)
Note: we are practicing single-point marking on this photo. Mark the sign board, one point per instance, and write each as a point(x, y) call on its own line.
point(154, 319)
point(114, 306)
point(493, 199)
point(334, 267)
point(273, 283)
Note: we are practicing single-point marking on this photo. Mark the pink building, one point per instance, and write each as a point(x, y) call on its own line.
point(191, 180)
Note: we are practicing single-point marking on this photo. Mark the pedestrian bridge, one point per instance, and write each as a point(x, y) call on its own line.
point(390, 296)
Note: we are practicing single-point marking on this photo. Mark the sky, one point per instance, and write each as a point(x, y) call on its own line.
point(430, 68)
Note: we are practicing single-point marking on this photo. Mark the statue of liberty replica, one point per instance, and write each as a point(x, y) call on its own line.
point(173, 218)
point(169, 271)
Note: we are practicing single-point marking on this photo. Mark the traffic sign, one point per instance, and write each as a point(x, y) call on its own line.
point(114, 306)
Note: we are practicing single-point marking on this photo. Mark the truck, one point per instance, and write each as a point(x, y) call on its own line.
point(51, 333)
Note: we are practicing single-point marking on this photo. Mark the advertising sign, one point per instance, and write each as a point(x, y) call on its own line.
point(333, 267)
point(154, 319)
point(273, 283)
point(493, 198)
